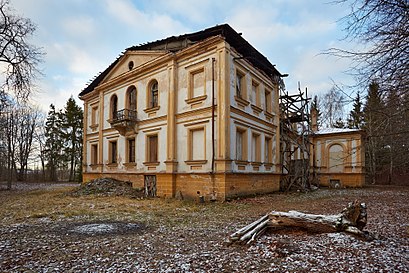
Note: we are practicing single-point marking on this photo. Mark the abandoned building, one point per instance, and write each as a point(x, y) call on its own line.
point(196, 114)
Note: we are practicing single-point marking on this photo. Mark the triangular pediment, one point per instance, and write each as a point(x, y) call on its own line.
point(131, 60)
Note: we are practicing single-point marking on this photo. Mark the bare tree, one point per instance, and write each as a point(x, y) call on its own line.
point(27, 121)
point(381, 27)
point(17, 55)
point(332, 107)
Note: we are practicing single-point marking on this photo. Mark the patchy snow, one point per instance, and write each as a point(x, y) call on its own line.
point(94, 228)
point(325, 131)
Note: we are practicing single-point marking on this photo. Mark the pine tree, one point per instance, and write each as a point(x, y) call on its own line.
point(71, 134)
point(356, 116)
point(53, 144)
point(374, 125)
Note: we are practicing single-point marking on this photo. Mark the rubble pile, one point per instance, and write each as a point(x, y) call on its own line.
point(108, 187)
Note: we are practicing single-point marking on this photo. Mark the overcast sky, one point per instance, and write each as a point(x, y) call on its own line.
point(82, 37)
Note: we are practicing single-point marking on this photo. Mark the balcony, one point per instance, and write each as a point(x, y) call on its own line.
point(124, 120)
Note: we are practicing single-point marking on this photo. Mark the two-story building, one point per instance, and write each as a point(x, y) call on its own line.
point(191, 115)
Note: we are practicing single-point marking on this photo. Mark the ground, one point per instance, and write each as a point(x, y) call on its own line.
point(46, 228)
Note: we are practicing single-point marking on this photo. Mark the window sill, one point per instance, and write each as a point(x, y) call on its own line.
point(151, 163)
point(93, 127)
point(94, 166)
point(256, 109)
point(130, 164)
point(268, 114)
point(112, 165)
point(241, 162)
point(151, 110)
point(256, 163)
point(196, 99)
point(242, 102)
point(195, 162)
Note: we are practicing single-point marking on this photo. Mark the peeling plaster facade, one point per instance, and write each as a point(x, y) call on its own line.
point(186, 116)
point(339, 157)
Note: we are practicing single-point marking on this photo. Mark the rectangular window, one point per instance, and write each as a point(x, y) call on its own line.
point(94, 154)
point(197, 83)
point(255, 93)
point(241, 144)
point(268, 101)
point(152, 148)
point(240, 85)
point(268, 150)
point(131, 150)
point(94, 115)
point(197, 142)
point(113, 152)
point(255, 148)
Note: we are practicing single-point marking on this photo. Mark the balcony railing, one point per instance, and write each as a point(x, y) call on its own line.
point(124, 120)
point(124, 115)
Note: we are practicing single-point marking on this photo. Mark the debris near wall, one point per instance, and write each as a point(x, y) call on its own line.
point(108, 187)
point(351, 220)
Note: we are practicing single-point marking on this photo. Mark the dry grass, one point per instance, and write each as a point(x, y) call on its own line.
point(184, 236)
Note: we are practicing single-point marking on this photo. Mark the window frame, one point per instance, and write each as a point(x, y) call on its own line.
point(113, 152)
point(113, 107)
point(93, 154)
point(242, 143)
point(149, 158)
point(191, 149)
point(131, 150)
point(131, 100)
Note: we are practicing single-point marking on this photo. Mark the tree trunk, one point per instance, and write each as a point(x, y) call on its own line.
point(351, 220)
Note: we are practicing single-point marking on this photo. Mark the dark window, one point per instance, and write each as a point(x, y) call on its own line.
point(131, 150)
point(114, 106)
point(132, 98)
point(154, 94)
point(130, 65)
point(94, 154)
point(113, 151)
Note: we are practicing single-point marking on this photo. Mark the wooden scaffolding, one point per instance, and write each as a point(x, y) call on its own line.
point(295, 129)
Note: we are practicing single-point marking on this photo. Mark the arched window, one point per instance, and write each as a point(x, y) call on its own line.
point(114, 106)
point(336, 158)
point(131, 98)
point(153, 94)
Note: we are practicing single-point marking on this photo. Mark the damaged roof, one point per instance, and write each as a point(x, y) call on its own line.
point(176, 43)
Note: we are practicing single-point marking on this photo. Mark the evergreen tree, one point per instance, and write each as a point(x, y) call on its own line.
point(356, 116)
point(374, 125)
point(71, 135)
point(53, 143)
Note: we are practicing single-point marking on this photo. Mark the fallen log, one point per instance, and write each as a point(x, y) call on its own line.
point(352, 220)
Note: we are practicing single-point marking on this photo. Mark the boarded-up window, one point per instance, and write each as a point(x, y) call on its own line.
point(267, 150)
point(94, 154)
point(241, 144)
point(197, 79)
point(255, 148)
point(131, 150)
point(336, 158)
point(197, 144)
point(268, 101)
point(94, 115)
point(254, 93)
point(152, 148)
